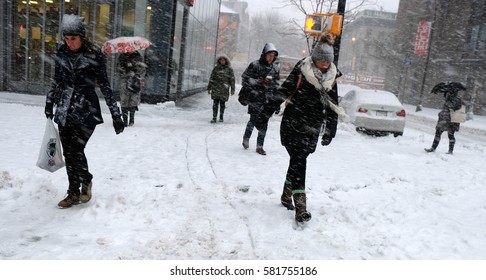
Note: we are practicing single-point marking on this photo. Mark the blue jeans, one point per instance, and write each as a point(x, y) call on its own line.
point(249, 129)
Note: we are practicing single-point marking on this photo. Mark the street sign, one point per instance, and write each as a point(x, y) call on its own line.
point(422, 38)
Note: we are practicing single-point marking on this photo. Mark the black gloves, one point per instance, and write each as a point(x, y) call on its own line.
point(118, 124)
point(49, 110)
point(262, 121)
point(326, 140)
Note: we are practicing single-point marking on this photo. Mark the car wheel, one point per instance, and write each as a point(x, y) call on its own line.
point(396, 134)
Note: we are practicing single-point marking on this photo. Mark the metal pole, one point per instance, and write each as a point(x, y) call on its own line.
point(337, 45)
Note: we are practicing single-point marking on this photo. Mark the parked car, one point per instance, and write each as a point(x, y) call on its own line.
point(375, 112)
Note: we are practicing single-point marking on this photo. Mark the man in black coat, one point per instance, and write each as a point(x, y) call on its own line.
point(262, 78)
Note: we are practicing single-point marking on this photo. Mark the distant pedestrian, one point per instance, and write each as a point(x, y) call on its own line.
point(444, 123)
point(79, 66)
point(311, 97)
point(132, 77)
point(221, 85)
point(261, 77)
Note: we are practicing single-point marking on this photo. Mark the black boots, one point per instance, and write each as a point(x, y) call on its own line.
point(125, 116)
point(286, 198)
point(301, 214)
point(125, 112)
point(434, 146)
point(132, 117)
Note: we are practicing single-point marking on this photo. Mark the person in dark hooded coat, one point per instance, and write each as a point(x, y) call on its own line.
point(310, 94)
point(452, 102)
point(79, 65)
point(221, 84)
point(262, 78)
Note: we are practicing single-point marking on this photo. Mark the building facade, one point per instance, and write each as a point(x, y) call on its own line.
point(183, 36)
point(450, 45)
point(365, 48)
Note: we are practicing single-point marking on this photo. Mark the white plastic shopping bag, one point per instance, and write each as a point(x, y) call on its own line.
point(50, 154)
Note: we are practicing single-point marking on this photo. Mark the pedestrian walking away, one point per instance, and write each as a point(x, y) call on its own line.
point(261, 78)
point(79, 64)
point(452, 102)
point(221, 85)
point(311, 96)
point(132, 76)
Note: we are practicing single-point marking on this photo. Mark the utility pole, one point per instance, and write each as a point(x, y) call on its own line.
point(337, 45)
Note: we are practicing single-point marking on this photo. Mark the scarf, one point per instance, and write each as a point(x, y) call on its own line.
point(323, 82)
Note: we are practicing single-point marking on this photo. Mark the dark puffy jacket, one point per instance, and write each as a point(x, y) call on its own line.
point(304, 115)
point(222, 80)
point(255, 75)
point(452, 102)
point(73, 87)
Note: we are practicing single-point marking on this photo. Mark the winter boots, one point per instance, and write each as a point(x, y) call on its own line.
point(125, 112)
point(213, 120)
point(246, 142)
point(286, 198)
point(434, 146)
point(125, 116)
point(261, 151)
point(85, 195)
point(301, 214)
point(132, 117)
point(69, 200)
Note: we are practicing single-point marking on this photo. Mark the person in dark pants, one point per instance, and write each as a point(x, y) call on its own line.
point(310, 94)
point(452, 102)
point(221, 84)
point(132, 76)
point(262, 77)
point(79, 65)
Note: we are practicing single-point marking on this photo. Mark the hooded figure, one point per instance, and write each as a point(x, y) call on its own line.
point(310, 92)
point(261, 77)
point(221, 84)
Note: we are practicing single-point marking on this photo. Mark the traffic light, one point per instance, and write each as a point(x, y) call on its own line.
point(317, 24)
point(314, 24)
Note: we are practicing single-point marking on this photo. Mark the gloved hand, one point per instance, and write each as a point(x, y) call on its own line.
point(118, 124)
point(261, 122)
point(49, 110)
point(326, 140)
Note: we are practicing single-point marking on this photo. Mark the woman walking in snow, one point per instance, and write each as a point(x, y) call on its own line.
point(221, 83)
point(132, 73)
point(452, 102)
point(79, 65)
point(311, 92)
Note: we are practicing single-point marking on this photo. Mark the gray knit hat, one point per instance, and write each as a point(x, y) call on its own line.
point(73, 25)
point(323, 52)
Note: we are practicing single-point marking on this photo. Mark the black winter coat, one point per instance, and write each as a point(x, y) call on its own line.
point(73, 87)
point(304, 115)
point(452, 102)
point(222, 80)
point(254, 77)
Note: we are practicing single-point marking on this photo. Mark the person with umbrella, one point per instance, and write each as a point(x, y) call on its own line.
point(132, 73)
point(444, 123)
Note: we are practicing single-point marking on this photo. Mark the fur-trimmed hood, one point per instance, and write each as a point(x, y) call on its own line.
point(228, 62)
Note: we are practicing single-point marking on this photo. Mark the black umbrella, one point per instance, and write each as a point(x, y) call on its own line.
point(444, 87)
